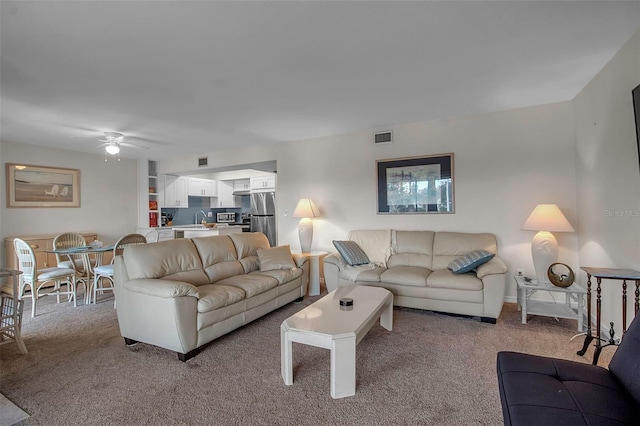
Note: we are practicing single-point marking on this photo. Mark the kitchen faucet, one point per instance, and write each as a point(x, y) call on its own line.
point(204, 216)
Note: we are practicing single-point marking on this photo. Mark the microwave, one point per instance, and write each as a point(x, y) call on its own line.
point(225, 217)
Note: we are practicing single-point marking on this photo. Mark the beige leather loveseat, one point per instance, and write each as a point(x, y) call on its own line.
point(181, 294)
point(413, 266)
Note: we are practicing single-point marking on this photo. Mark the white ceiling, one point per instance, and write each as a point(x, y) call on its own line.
point(200, 76)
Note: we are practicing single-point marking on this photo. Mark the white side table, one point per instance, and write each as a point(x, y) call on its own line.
point(573, 293)
point(314, 269)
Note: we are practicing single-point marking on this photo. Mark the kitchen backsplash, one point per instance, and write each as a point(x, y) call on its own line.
point(186, 216)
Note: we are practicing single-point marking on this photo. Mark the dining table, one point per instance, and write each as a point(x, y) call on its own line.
point(85, 269)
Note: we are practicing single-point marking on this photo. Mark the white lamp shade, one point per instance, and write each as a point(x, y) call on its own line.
point(547, 217)
point(306, 208)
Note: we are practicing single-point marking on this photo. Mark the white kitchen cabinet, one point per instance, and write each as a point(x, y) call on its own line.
point(225, 195)
point(241, 185)
point(203, 187)
point(263, 183)
point(175, 193)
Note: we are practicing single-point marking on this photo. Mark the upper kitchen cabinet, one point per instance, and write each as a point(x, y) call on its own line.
point(241, 185)
point(175, 193)
point(263, 183)
point(199, 187)
point(225, 195)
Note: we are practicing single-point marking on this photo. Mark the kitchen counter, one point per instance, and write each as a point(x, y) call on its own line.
point(194, 231)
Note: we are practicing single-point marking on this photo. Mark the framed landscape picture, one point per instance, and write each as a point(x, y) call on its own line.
point(42, 186)
point(416, 185)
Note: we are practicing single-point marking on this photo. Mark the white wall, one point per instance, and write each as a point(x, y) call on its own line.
point(608, 174)
point(505, 164)
point(108, 195)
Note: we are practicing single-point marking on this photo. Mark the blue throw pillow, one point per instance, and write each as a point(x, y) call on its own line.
point(470, 261)
point(351, 252)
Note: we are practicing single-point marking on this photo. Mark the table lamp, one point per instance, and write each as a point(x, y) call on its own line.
point(545, 218)
point(305, 209)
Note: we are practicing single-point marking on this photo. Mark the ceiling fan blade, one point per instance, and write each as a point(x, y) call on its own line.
point(153, 141)
point(131, 145)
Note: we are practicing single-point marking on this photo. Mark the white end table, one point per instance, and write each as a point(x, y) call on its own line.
point(573, 293)
point(314, 269)
point(324, 325)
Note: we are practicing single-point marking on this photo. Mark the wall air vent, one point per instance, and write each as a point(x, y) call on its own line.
point(382, 137)
point(203, 161)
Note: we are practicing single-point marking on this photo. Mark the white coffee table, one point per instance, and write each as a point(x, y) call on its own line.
point(323, 324)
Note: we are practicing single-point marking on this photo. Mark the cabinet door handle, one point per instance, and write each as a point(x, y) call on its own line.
point(34, 246)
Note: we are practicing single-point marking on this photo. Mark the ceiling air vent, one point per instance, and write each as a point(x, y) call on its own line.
point(203, 161)
point(382, 137)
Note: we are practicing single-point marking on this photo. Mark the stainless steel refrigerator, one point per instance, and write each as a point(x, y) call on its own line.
point(263, 215)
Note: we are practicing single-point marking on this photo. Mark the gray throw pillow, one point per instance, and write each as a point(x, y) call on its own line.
point(470, 261)
point(351, 252)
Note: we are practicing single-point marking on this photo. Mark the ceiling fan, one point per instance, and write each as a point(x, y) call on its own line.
point(113, 141)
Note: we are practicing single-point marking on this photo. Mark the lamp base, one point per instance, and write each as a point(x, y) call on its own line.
point(305, 233)
point(544, 250)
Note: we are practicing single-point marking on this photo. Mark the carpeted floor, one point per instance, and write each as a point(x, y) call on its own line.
point(432, 369)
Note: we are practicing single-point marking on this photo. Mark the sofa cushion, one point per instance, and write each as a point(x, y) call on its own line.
point(176, 260)
point(282, 275)
point(247, 243)
point(375, 243)
point(409, 259)
point(370, 275)
point(218, 256)
point(275, 258)
point(215, 296)
point(250, 264)
point(252, 284)
point(215, 249)
point(470, 261)
point(352, 273)
point(449, 245)
point(351, 252)
point(444, 278)
point(406, 275)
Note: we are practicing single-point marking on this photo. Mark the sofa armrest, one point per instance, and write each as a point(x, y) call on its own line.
point(492, 267)
point(335, 259)
point(333, 264)
point(161, 288)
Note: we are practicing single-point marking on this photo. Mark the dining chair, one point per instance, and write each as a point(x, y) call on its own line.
point(106, 272)
point(11, 310)
point(152, 236)
point(65, 241)
point(75, 261)
point(37, 279)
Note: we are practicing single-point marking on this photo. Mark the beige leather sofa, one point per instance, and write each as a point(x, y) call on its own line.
point(413, 266)
point(181, 294)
